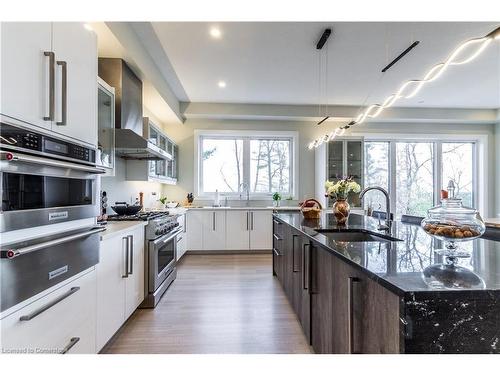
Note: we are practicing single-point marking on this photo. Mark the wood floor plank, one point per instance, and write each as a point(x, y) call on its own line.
point(218, 304)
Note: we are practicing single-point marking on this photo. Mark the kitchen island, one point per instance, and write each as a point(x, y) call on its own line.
point(363, 294)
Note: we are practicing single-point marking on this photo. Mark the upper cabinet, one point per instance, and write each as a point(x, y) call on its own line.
point(337, 159)
point(165, 170)
point(49, 77)
point(106, 126)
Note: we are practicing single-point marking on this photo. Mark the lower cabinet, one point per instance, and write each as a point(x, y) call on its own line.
point(234, 229)
point(63, 321)
point(120, 282)
point(341, 310)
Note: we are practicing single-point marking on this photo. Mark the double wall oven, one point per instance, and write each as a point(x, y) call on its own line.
point(44, 180)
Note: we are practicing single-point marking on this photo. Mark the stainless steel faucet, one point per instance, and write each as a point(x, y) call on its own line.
point(246, 188)
point(387, 224)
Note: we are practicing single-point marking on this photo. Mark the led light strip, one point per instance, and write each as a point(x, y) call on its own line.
point(410, 88)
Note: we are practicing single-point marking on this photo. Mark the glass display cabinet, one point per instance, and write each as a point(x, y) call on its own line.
point(106, 127)
point(334, 160)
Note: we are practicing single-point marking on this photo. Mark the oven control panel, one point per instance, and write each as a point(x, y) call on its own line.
point(22, 139)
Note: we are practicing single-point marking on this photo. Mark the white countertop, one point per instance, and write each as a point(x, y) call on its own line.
point(285, 208)
point(114, 228)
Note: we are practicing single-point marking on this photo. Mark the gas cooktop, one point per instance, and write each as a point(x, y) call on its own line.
point(141, 216)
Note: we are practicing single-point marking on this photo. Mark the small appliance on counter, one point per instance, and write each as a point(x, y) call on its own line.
point(123, 208)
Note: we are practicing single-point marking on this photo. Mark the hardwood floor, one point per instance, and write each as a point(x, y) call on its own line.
point(217, 304)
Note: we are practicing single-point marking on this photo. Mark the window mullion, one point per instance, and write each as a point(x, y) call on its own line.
point(438, 171)
point(246, 162)
point(392, 176)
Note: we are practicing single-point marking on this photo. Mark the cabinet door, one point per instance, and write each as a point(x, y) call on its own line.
point(134, 283)
point(71, 315)
point(77, 47)
point(365, 314)
point(261, 232)
point(111, 270)
point(214, 230)
point(321, 300)
point(277, 250)
point(238, 230)
point(25, 71)
point(194, 229)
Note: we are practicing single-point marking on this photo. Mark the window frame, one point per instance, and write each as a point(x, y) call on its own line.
point(479, 160)
point(246, 136)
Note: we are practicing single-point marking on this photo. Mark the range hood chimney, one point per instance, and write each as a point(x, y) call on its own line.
point(129, 139)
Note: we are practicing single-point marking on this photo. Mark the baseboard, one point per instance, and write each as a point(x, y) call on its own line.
point(227, 252)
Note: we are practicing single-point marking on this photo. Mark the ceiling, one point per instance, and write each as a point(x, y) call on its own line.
point(277, 63)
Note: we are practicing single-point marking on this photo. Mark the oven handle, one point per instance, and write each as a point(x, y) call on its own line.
point(168, 236)
point(9, 156)
point(13, 253)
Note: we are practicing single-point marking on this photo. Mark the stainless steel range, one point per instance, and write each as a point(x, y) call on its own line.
point(161, 249)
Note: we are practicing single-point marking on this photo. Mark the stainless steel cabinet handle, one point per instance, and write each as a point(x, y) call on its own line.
point(294, 236)
point(213, 221)
point(52, 68)
point(37, 312)
point(248, 226)
point(305, 268)
point(64, 92)
point(72, 342)
point(14, 157)
point(124, 276)
point(131, 256)
point(12, 253)
point(277, 238)
point(276, 252)
point(251, 213)
point(350, 315)
point(276, 222)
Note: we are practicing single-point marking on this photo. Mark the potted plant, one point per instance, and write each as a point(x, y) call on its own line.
point(277, 199)
point(339, 191)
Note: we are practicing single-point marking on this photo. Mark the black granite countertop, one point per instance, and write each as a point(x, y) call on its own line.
point(398, 265)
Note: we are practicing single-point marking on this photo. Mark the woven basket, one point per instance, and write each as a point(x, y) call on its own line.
point(313, 212)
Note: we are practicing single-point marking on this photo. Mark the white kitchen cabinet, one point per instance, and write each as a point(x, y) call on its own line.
point(77, 48)
point(69, 323)
point(214, 230)
point(25, 71)
point(261, 229)
point(110, 288)
point(134, 283)
point(194, 229)
point(181, 237)
point(238, 230)
point(120, 286)
point(30, 51)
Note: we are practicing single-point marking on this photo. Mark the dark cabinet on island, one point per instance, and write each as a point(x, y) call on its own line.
point(363, 297)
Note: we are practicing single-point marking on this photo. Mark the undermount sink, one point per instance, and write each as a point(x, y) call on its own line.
point(355, 236)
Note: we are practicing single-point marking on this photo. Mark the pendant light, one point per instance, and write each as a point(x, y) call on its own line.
point(473, 47)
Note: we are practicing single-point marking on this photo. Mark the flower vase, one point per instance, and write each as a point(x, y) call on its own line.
point(341, 210)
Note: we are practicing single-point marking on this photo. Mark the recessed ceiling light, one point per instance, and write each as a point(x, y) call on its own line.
point(221, 84)
point(87, 26)
point(215, 33)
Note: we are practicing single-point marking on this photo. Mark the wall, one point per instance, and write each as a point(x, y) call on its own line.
point(121, 190)
point(183, 136)
point(497, 169)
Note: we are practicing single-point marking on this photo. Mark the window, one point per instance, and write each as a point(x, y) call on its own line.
point(376, 172)
point(414, 178)
point(420, 170)
point(234, 162)
point(457, 162)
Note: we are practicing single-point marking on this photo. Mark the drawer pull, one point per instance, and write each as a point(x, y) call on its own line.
point(35, 313)
point(276, 252)
point(277, 238)
point(72, 342)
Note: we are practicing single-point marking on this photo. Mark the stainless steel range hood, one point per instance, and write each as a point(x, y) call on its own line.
point(129, 140)
point(132, 146)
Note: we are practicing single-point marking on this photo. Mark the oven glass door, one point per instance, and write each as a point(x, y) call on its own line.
point(165, 255)
point(27, 192)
